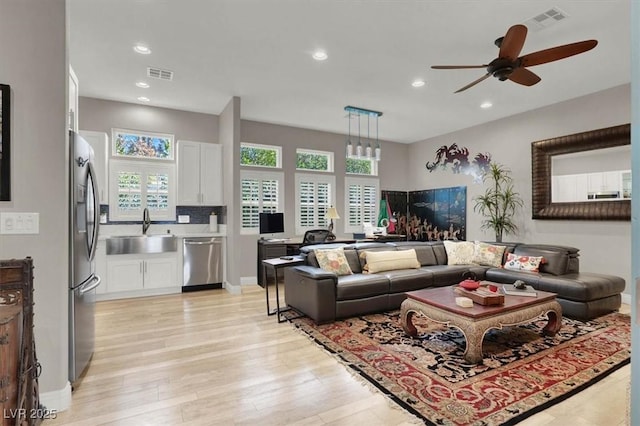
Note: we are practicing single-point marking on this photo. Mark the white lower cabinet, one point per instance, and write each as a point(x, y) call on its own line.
point(132, 275)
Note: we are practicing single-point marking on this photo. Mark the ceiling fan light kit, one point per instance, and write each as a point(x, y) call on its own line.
point(510, 66)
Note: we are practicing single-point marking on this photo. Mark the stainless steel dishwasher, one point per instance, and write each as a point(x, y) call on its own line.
point(202, 263)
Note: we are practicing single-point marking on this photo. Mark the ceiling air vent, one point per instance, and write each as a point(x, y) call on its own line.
point(159, 74)
point(545, 19)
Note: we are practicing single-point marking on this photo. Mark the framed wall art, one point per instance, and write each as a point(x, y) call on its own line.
point(5, 142)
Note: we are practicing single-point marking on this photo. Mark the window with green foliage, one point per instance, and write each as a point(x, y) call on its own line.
point(252, 154)
point(361, 166)
point(320, 161)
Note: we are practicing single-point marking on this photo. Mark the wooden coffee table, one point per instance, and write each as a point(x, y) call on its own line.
point(439, 305)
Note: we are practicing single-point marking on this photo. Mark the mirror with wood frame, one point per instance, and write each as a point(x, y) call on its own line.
point(542, 153)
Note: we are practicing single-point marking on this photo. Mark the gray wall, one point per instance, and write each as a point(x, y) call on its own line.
point(34, 63)
point(230, 140)
point(101, 116)
point(509, 142)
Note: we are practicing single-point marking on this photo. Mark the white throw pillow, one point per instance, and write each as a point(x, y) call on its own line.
point(488, 254)
point(380, 261)
point(459, 253)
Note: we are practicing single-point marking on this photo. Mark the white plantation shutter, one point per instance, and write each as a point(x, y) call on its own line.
point(361, 202)
point(134, 185)
point(261, 192)
point(314, 196)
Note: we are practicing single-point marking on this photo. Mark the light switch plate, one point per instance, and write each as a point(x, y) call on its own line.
point(19, 223)
point(183, 218)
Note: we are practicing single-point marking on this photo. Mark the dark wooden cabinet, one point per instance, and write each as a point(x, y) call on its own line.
point(19, 368)
point(10, 342)
point(271, 250)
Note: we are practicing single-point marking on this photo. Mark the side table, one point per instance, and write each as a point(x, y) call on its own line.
point(276, 264)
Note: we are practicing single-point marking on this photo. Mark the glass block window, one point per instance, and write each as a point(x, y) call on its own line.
point(361, 201)
point(135, 185)
point(261, 192)
point(361, 166)
point(320, 161)
point(147, 145)
point(257, 155)
point(314, 196)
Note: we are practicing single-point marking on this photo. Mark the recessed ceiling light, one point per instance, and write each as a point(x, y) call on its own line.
point(486, 105)
point(142, 49)
point(320, 55)
point(143, 99)
point(142, 85)
point(418, 83)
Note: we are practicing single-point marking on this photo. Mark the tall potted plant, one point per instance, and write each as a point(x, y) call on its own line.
point(500, 201)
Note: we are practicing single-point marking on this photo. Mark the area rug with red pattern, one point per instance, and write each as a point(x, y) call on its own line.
point(522, 373)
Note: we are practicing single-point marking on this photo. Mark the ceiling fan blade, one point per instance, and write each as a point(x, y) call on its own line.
point(473, 83)
point(556, 53)
point(524, 76)
point(512, 42)
point(455, 67)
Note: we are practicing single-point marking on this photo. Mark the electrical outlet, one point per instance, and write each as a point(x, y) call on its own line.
point(19, 223)
point(184, 218)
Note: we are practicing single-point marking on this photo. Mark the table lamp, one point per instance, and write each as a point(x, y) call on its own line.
point(332, 213)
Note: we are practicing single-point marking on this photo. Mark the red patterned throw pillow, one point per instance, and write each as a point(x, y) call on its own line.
point(523, 263)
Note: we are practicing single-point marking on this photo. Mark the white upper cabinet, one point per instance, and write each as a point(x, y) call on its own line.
point(199, 174)
point(604, 181)
point(73, 100)
point(99, 141)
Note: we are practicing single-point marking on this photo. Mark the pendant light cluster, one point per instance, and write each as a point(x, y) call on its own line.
point(366, 149)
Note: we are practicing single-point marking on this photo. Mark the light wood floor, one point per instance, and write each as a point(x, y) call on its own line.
point(211, 358)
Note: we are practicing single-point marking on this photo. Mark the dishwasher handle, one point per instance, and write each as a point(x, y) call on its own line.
point(201, 243)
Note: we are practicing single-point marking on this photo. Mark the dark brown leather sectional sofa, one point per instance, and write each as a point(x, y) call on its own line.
point(324, 296)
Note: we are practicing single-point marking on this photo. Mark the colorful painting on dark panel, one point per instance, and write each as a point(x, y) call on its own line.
point(437, 214)
point(397, 202)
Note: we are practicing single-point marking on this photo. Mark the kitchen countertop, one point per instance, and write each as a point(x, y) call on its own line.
point(180, 231)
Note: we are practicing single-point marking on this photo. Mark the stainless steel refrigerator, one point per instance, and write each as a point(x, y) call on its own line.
point(84, 215)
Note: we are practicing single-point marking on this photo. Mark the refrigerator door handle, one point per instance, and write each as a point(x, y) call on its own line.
point(96, 211)
point(90, 285)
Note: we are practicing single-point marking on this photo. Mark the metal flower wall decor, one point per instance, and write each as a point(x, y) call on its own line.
point(457, 159)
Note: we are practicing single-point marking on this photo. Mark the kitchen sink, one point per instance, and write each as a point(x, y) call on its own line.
point(131, 244)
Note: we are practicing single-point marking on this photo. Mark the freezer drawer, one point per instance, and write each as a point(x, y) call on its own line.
point(202, 263)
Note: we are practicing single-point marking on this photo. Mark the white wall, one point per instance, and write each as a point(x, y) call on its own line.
point(604, 245)
point(34, 63)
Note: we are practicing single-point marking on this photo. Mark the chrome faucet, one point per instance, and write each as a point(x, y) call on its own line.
point(146, 221)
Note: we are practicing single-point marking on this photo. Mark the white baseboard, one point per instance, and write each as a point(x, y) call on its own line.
point(248, 281)
point(233, 289)
point(59, 400)
point(626, 298)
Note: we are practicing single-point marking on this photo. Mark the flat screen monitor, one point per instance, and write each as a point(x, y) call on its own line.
point(271, 223)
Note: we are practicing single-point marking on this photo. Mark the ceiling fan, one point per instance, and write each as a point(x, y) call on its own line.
point(509, 66)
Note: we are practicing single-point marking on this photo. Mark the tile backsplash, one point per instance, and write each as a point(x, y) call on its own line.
point(197, 215)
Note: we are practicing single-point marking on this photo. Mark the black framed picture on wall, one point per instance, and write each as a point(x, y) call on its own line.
point(5, 139)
